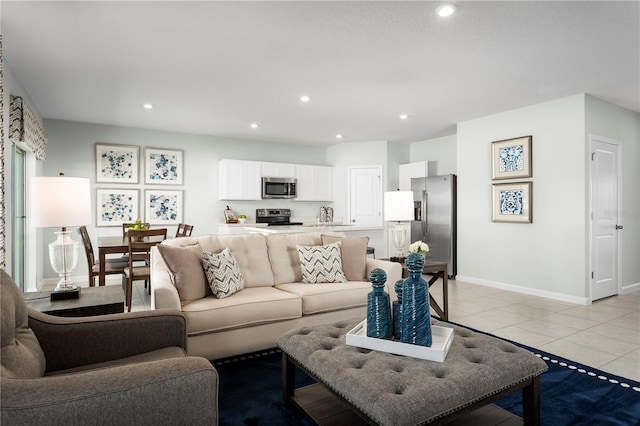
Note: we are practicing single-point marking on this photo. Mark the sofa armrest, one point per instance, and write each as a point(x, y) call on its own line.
point(393, 270)
point(73, 342)
point(164, 294)
point(164, 392)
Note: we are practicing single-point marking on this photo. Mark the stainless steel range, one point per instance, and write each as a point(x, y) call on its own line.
point(275, 217)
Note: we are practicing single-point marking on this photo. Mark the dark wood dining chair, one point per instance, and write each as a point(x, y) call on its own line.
point(184, 230)
point(112, 266)
point(140, 243)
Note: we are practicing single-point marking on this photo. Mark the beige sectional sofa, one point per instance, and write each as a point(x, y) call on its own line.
point(273, 300)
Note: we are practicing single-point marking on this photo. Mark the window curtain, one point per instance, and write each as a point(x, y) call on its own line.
point(3, 249)
point(26, 127)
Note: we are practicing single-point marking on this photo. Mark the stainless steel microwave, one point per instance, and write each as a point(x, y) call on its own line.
point(278, 187)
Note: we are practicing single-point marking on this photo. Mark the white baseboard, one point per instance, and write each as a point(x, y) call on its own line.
point(526, 290)
point(630, 288)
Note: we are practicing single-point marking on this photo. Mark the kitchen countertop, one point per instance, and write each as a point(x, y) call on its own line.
point(292, 229)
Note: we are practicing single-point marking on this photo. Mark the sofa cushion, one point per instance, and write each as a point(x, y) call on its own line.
point(321, 264)
point(187, 274)
point(20, 353)
point(353, 252)
point(251, 306)
point(222, 272)
point(250, 251)
point(317, 298)
point(283, 255)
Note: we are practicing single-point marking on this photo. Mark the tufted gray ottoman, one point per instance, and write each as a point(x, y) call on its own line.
point(389, 389)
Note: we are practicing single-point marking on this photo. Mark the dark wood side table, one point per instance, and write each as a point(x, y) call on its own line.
point(437, 270)
point(92, 301)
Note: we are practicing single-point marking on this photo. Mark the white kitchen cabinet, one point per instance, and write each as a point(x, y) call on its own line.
point(278, 170)
point(314, 183)
point(239, 180)
point(414, 170)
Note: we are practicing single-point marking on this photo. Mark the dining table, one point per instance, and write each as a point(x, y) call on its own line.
point(113, 245)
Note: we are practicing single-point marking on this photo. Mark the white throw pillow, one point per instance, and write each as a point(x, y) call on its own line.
point(222, 272)
point(321, 264)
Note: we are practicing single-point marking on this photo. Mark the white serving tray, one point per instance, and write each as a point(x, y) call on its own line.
point(441, 342)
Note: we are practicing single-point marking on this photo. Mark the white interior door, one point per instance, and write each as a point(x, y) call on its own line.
point(605, 217)
point(365, 195)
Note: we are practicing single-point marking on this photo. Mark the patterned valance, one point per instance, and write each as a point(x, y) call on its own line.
point(26, 127)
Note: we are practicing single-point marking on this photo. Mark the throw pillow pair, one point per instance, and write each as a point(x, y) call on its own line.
point(221, 271)
point(337, 261)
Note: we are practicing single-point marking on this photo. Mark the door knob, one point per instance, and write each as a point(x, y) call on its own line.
point(619, 226)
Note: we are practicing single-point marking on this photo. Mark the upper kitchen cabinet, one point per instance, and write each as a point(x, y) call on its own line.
point(414, 170)
point(315, 183)
point(239, 180)
point(278, 170)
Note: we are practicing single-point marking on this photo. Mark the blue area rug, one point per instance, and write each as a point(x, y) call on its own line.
point(572, 394)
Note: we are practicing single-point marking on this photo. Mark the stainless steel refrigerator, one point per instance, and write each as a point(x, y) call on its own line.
point(434, 200)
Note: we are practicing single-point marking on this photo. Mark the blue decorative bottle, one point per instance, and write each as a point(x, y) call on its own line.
point(397, 311)
point(416, 318)
point(378, 307)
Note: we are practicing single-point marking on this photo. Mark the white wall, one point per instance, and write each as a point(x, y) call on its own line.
point(614, 122)
point(71, 150)
point(442, 150)
point(547, 256)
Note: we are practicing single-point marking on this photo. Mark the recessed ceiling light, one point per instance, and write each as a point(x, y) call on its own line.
point(403, 116)
point(338, 136)
point(304, 98)
point(147, 106)
point(254, 125)
point(446, 10)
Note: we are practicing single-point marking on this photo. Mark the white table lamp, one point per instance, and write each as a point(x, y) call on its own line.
point(398, 208)
point(58, 202)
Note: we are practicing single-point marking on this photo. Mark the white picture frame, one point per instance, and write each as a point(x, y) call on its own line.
point(117, 163)
point(163, 166)
point(116, 206)
point(163, 207)
point(512, 202)
point(511, 158)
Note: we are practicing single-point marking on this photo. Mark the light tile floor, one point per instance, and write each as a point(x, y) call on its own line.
point(604, 335)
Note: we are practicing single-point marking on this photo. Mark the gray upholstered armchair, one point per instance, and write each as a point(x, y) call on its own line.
point(109, 370)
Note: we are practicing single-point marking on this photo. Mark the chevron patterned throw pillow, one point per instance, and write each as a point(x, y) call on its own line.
point(222, 272)
point(321, 264)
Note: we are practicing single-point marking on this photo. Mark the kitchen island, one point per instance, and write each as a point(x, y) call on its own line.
point(376, 234)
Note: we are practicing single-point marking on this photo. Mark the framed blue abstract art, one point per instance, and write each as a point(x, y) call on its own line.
point(511, 158)
point(116, 206)
point(163, 166)
point(116, 163)
point(512, 202)
point(163, 207)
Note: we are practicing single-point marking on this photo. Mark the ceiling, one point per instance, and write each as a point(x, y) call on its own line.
point(214, 68)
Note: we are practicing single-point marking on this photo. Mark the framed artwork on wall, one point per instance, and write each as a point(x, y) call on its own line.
point(116, 163)
point(163, 207)
point(511, 158)
point(512, 202)
point(116, 206)
point(163, 166)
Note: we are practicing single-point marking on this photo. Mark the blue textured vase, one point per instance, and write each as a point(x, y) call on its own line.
point(416, 318)
point(397, 311)
point(378, 307)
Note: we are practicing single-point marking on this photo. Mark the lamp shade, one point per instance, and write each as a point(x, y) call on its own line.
point(60, 201)
point(398, 206)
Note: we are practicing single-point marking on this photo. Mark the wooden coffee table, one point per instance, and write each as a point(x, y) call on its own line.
point(92, 301)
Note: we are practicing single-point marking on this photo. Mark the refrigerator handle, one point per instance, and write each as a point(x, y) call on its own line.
point(425, 219)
